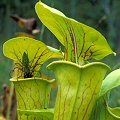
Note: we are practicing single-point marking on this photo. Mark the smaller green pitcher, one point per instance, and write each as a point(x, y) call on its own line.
point(32, 93)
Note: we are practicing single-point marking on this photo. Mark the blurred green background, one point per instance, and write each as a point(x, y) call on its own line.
point(103, 15)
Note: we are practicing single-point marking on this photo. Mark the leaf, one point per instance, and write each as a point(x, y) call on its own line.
point(37, 51)
point(105, 112)
point(102, 111)
point(111, 81)
point(82, 42)
point(46, 114)
point(115, 111)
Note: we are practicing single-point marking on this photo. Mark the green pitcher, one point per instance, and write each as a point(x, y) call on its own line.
point(32, 93)
point(78, 88)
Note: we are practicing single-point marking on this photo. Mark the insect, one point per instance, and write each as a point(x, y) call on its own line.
point(23, 67)
point(26, 67)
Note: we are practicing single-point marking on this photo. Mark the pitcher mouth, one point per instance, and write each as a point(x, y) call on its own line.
point(74, 64)
point(34, 78)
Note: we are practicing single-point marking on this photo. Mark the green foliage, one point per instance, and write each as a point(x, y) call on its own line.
point(32, 93)
point(46, 114)
point(101, 111)
point(111, 81)
point(105, 112)
point(78, 90)
point(81, 42)
point(82, 90)
point(29, 54)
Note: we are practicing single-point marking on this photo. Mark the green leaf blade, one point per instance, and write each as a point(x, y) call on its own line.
point(111, 81)
point(82, 42)
point(37, 52)
point(101, 111)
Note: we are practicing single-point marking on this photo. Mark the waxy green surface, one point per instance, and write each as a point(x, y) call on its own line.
point(42, 114)
point(82, 42)
point(78, 89)
point(101, 109)
point(32, 93)
point(38, 53)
